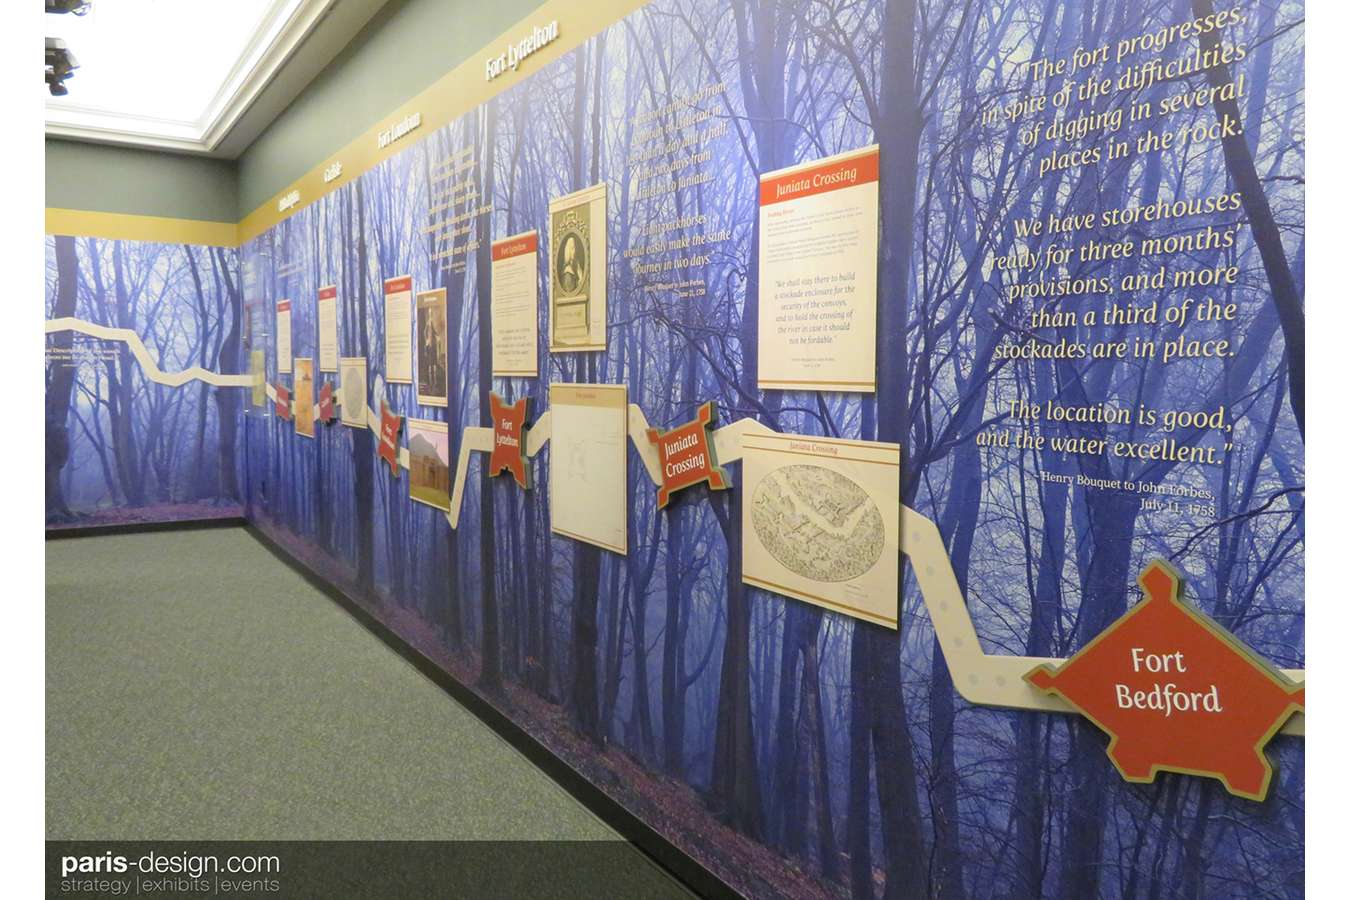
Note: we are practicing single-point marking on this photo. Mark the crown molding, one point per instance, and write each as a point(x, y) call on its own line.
point(270, 48)
point(247, 80)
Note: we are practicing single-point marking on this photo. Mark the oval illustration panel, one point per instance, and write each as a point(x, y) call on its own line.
point(817, 523)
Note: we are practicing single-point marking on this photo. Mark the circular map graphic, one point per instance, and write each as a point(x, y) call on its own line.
point(817, 523)
point(353, 398)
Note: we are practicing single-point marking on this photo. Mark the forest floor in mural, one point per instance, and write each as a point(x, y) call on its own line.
point(671, 807)
point(141, 515)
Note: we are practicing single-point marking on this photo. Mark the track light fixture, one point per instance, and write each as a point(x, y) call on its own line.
point(78, 7)
point(60, 64)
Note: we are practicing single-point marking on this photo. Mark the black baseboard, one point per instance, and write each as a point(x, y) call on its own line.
point(684, 868)
point(78, 531)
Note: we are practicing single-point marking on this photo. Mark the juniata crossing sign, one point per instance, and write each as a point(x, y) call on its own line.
point(1177, 692)
point(687, 455)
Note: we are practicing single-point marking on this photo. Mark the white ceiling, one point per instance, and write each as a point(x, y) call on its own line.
point(179, 74)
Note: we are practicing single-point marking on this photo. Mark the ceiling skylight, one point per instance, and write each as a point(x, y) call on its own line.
point(171, 73)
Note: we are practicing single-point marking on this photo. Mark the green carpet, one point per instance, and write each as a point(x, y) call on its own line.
point(197, 688)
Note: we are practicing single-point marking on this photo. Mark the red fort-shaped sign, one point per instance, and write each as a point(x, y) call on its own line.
point(390, 424)
point(1177, 692)
point(687, 455)
point(326, 403)
point(509, 436)
point(283, 401)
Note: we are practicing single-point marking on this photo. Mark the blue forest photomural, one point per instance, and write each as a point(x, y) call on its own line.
point(1089, 349)
point(121, 448)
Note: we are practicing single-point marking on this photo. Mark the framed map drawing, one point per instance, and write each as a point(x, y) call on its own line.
point(820, 522)
point(588, 463)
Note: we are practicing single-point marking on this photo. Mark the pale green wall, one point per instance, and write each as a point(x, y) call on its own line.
point(407, 45)
point(105, 178)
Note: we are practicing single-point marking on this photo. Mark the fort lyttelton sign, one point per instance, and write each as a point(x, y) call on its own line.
point(508, 439)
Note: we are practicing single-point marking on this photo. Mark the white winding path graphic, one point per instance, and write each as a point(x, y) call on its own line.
point(142, 353)
point(983, 679)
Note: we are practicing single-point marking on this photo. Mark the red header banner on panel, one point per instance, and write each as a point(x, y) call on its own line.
point(518, 247)
point(832, 176)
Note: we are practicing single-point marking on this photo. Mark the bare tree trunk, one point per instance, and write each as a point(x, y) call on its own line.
point(585, 642)
point(958, 525)
point(882, 689)
point(1284, 293)
point(813, 711)
point(453, 280)
point(616, 617)
point(537, 581)
point(227, 400)
point(60, 378)
point(121, 373)
point(363, 444)
point(859, 774)
point(585, 557)
point(490, 676)
point(672, 649)
point(784, 822)
point(734, 793)
point(1106, 581)
point(200, 486)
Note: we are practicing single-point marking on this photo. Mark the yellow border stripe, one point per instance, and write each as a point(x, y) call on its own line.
point(462, 89)
point(126, 227)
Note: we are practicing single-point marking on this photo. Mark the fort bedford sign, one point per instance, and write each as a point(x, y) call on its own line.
point(508, 438)
point(687, 455)
point(1177, 692)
